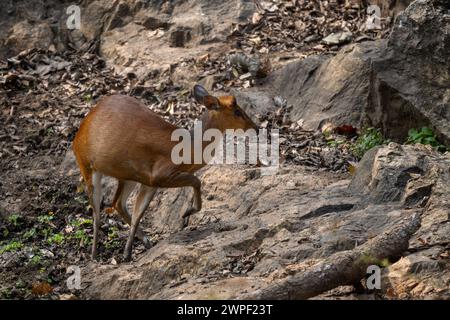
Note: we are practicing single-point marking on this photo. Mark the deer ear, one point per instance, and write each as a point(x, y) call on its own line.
point(203, 97)
point(211, 103)
point(199, 93)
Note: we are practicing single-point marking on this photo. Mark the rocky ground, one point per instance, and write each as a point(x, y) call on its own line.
point(308, 68)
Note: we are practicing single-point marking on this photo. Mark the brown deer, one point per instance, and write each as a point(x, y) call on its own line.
point(122, 138)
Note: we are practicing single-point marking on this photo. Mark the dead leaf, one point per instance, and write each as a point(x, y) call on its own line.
point(352, 168)
point(256, 18)
point(41, 288)
point(346, 130)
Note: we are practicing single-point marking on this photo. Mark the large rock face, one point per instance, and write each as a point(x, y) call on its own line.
point(411, 80)
point(395, 85)
point(328, 90)
point(159, 34)
point(26, 35)
point(134, 35)
point(255, 229)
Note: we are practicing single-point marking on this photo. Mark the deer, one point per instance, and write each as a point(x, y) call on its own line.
point(122, 138)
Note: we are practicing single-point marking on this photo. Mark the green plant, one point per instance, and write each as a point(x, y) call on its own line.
point(14, 219)
point(57, 238)
point(36, 260)
point(5, 293)
point(81, 222)
point(87, 97)
point(46, 219)
point(369, 138)
point(335, 143)
point(20, 284)
point(82, 236)
point(424, 136)
point(113, 233)
point(30, 234)
point(46, 232)
point(11, 246)
point(113, 236)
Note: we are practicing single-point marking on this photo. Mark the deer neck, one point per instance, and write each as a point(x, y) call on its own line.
point(208, 121)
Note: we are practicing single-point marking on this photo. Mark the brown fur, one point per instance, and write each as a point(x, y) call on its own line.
point(122, 138)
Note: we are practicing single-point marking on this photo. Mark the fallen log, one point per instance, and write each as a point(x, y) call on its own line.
point(342, 268)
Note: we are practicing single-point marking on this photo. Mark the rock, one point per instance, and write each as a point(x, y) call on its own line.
point(95, 16)
point(325, 90)
point(374, 83)
point(311, 38)
point(138, 34)
point(415, 176)
point(254, 101)
point(121, 12)
point(42, 25)
point(154, 22)
point(403, 97)
point(390, 8)
point(417, 276)
point(180, 36)
point(26, 35)
point(392, 171)
point(249, 229)
point(337, 38)
point(155, 35)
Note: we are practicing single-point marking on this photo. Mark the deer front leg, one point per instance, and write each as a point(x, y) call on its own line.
point(197, 206)
point(143, 199)
point(183, 179)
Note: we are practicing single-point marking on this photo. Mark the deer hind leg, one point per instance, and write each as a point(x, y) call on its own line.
point(92, 181)
point(143, 199)
point(95, 197)
point(124, 189)
point(183, 179)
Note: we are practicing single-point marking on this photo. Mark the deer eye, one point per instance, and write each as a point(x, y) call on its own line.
point(238, 113)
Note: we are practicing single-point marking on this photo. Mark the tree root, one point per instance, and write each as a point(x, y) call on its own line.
point(342, 268)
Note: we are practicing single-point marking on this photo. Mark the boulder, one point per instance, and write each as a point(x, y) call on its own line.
point(410, 81)
point(25, 35)
point(338, 38)
point(323, 90)
point(419, 276)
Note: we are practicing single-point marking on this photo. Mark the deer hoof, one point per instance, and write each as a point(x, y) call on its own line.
point(126, 257)
point(189, 212)
point(147, 242)
point(184, 222)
